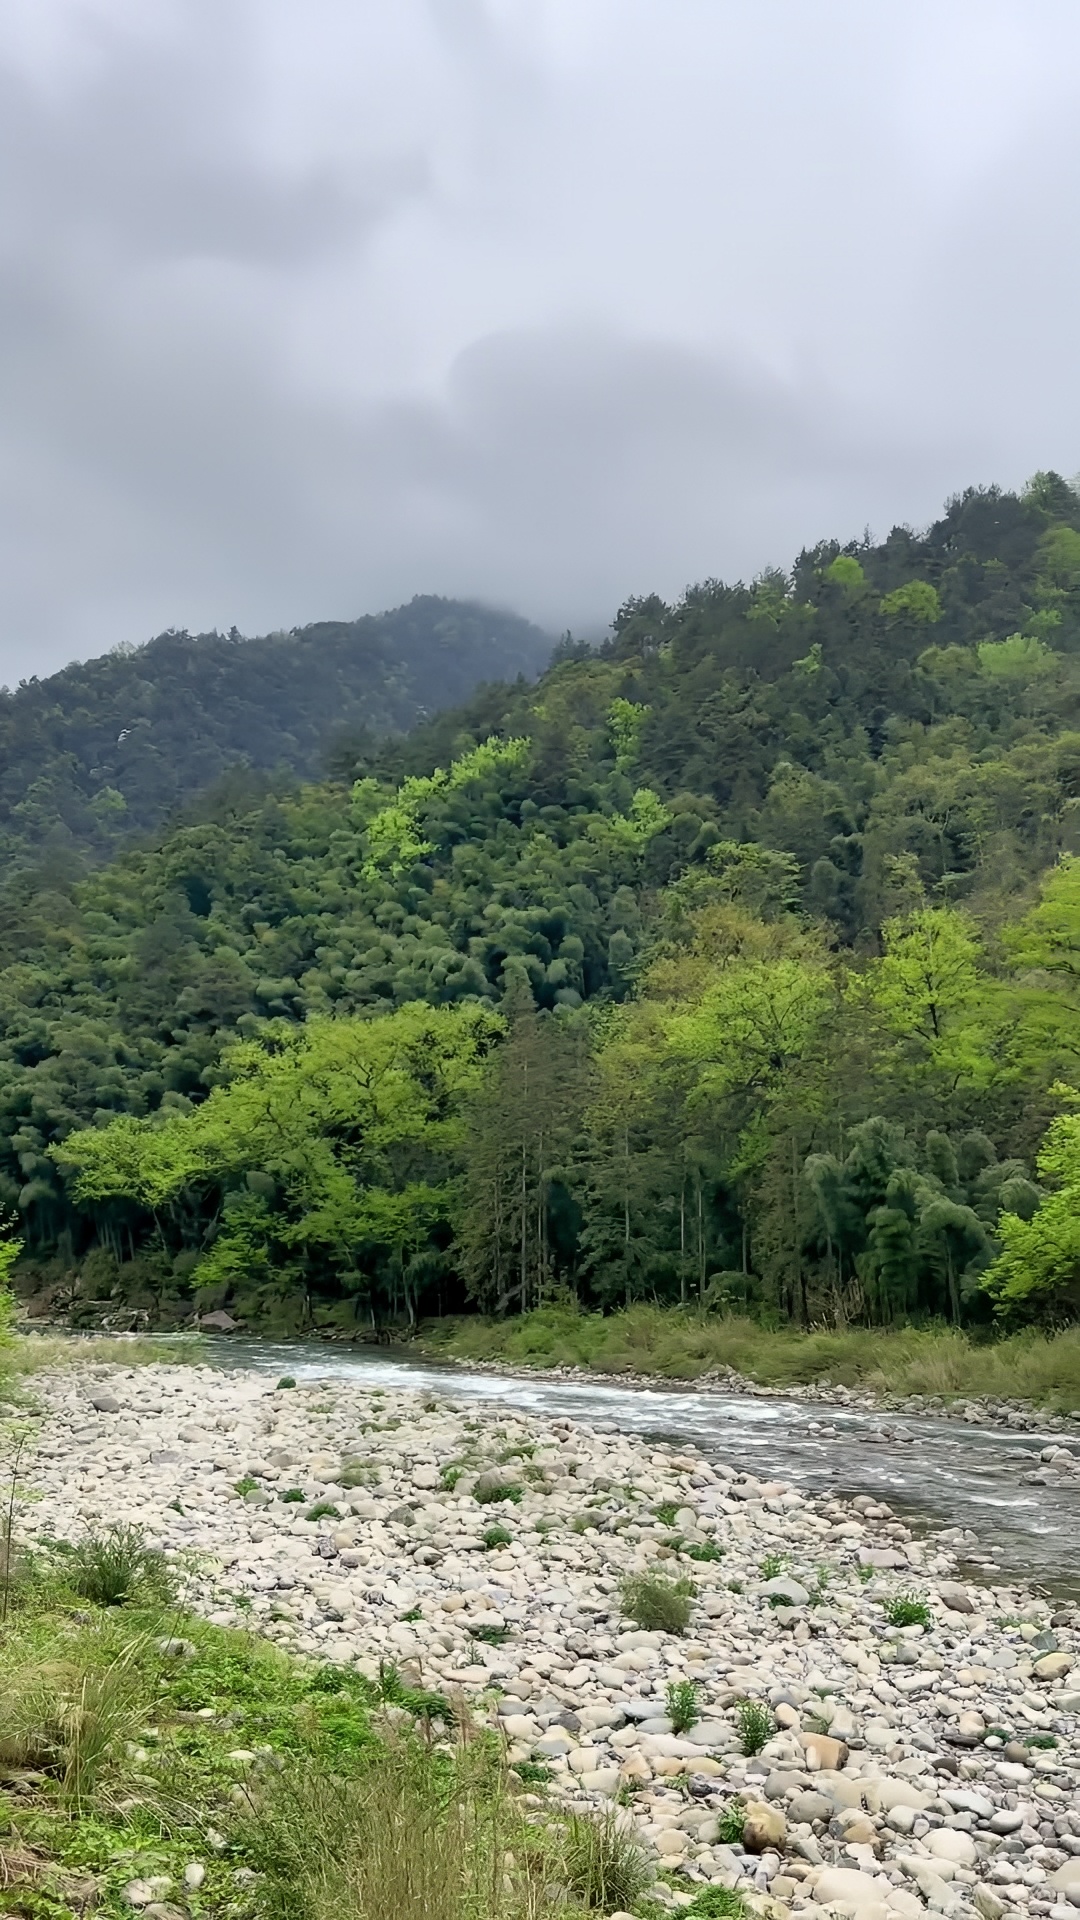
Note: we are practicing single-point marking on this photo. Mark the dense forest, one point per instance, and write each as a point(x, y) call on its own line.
point(737, 961)
point(101, 754)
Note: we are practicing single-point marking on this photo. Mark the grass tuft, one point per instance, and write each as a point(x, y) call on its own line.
point(716, 1903)
point(755, 1723)
point(655, 1604)
point(602, 1864)
point(907, 1610)
point(682, 1705)
point(115, 1569)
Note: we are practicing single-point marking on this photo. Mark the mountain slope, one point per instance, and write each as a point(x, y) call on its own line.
point(800, 843)
point(107, 749)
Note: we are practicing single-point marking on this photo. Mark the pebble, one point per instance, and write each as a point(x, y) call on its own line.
point(896, 1778)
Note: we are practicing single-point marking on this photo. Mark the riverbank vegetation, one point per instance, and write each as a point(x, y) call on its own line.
point(944, 1362)
point(149, 1759)
point(735, 964)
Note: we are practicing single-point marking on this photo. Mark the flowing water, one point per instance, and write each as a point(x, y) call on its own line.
point(934, 1472)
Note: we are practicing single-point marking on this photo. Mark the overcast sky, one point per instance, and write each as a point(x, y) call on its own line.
point(307, 306)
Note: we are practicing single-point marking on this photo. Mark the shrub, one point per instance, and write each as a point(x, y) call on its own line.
point(601, 1864)
point(682, 1707)
point(286, 1381)
point(114, 1568)
point(656, 1604)
point(497, 1536)
point(755, 1723)
point(907, 1610)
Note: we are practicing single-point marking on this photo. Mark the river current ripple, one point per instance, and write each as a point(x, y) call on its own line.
point(934, 1472)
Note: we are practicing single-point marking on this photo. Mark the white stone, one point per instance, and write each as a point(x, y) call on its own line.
point(949, 1843)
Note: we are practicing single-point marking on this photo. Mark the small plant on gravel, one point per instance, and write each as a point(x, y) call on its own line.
point(322, 1510)
point(286, 1381)
point(488, 1495)
point(666, 1512)
point(450, 1476)
point(865, 1574)
point(532, 1773)
point(497, 1536)
point(1039, 1740)
point(773, 1566)
point(358, 1473)
point(581, 1522)
point(682, 1705)
point(716, 1903)
point(735, 1586)
point(409, 1619)
point(393, 1691)
point(655, 1604)
point(703, 1550)
point(113, 1568)
point(491, 1636)
point(247, 1485)
point(907, 1610)
point(291, 1494)
point(601, 1864)
point(755, 1723)
point(730, 1823)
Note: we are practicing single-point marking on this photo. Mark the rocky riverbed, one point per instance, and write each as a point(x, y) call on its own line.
point(928, 1765)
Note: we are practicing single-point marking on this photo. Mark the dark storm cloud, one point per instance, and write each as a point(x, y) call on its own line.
point(305, 310)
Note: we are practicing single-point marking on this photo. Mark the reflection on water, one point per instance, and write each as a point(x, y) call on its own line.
point(938, 1471)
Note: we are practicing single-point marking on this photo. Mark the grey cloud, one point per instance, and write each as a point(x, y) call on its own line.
point(399, 322)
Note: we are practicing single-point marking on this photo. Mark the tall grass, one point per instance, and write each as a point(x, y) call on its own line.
point(679, 1345)
point(419, 1835)
point(28, 1353)
point(69, 1714)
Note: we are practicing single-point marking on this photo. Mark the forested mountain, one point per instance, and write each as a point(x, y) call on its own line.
point(736, 960)
point(106, 750)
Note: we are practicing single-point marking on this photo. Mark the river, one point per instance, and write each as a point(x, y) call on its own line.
point(932, 1471)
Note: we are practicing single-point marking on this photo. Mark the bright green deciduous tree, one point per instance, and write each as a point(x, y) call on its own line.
point(917, 601)
point(930, 990)
point(1037, 1273)
point(331, 1147)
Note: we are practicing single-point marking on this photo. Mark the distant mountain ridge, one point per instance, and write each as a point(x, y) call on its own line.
point(107, 749)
